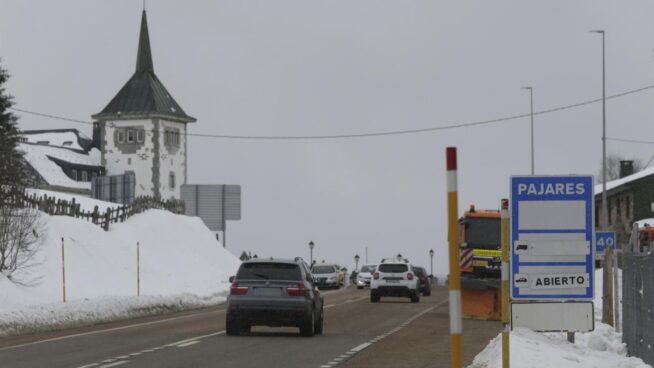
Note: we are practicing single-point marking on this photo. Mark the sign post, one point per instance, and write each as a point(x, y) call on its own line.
point(552, 257)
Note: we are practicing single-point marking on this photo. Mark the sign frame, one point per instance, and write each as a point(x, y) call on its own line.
point(569, 196)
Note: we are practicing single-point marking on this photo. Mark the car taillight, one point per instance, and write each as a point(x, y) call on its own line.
point(300, 290)
point(409, 276)
point(376, 275)
point(238, 290)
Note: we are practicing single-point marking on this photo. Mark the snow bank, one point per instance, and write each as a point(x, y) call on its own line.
point(181, 264)
point(601, 348)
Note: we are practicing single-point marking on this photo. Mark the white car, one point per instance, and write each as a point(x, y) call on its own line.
point(365, 276)
point(394, 277)
point(326, 275)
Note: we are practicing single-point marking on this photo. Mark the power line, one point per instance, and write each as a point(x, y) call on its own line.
point(387, 133)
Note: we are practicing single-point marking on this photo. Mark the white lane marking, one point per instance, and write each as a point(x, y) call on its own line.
point(361, 347)
point(135, 354)
point(188, 344)
point(329, 306)
point(123, 357)
point(114, 364)
point(108, 360)
point(89, 365)
point(147, 351)
point(108, 330)
point(349, 354)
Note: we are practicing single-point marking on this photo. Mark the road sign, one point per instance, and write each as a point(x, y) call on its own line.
point(214, 204)
point(602, 240)
point(551, 237)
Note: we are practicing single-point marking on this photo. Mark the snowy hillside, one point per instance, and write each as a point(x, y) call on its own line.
point(180, 260)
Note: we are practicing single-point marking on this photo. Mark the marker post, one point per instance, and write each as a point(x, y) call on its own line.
point(455, 273)
point(504, 214)
point(63, 270)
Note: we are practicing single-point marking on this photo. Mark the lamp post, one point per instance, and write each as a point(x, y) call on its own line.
point(604, 213)
point(431, 260)
point(606, 302)
point(356, 261)
point(531, 103)
point(311, 245)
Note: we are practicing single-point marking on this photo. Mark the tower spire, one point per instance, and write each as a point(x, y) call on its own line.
point(144, 56)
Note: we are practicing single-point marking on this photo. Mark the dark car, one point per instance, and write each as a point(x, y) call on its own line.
point(274, 292)
point(424, 281)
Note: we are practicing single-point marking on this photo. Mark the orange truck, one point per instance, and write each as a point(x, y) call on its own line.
point(480, 262)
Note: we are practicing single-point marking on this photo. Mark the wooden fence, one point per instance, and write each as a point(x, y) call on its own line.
point(59, 207)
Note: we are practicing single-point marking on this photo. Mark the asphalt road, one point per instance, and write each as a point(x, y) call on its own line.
point(393, 333)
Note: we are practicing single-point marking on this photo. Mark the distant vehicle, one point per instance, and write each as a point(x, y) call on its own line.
point(274, 292)
point(521, 280)
point(327, 275)
point(365, 275)
point(394, 277)
point(424, 281)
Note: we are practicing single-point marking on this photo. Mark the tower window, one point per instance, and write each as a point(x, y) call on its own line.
point(120, 136)
point(171, 180)
point(73, 173)
point(85, 176)
point(140, 136)
point(131, 136)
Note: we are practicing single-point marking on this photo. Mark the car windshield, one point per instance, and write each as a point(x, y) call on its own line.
point(393, 267)
point(323, 269)
point(269, 271)
point(368, 269)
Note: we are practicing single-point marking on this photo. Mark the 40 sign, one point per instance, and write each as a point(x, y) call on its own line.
point(552, 257)
point(604, 239)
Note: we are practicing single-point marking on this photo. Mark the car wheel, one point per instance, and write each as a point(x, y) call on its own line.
point(307, 329)
point(359, 287)
point(374, 297)
point(415, 298)
point(319, 323)
point(427, 293)
point(231, 327)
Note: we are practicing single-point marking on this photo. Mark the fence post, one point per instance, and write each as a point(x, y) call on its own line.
point(63, 270)
point(608, 287)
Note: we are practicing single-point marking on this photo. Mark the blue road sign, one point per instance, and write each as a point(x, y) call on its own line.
point(552, 257)
point(604, 239)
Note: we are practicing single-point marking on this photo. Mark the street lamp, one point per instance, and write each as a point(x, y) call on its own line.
point(356, 261)
point(431, 256)
point(604, 213)
point(311, 245)
point(531, 103)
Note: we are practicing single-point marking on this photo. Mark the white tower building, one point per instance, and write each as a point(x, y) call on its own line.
point(143, 130)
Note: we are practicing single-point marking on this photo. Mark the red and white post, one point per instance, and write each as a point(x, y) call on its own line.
point(455, 272)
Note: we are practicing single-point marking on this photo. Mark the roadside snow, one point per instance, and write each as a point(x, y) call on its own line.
point(601, 348)
point(182, 266)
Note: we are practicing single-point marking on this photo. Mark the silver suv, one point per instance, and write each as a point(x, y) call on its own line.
point(394, 277)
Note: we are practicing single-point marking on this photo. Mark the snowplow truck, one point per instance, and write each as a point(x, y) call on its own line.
point(480, 263)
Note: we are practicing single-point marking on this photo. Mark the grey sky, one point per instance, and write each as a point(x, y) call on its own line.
point(338, 67)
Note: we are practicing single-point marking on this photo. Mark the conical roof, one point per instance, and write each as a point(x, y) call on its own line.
point(143, 96)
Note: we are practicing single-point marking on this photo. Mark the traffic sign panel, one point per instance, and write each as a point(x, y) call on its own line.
point(604, 239)
point(551, 237)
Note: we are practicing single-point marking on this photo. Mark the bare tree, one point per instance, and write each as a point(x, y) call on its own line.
point(21, 230)
point(613, 167)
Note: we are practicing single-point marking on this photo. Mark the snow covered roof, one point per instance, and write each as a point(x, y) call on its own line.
point(627, 179)
point(68, 138)
point(38, 156)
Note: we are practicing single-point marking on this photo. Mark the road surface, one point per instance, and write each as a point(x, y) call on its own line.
point(392, 333)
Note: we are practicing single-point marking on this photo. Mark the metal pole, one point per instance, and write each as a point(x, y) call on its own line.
point(455, 273)
point(138, 269)
point(531, 104)
point(431, 261)
point(616, 292)
point(504, 214)
point(63, 269)
point(224, 222)
point(366, 255)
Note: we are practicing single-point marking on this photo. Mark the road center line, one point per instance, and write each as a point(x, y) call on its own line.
point(188, 343)
point(114, 364)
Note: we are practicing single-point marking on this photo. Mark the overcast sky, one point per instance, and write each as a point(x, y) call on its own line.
point(338, 67)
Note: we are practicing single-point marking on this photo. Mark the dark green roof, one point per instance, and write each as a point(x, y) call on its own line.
point(143, 96)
